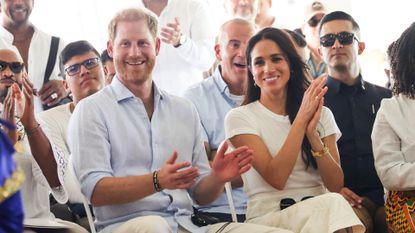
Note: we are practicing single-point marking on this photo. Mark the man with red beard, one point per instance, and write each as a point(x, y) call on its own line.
point(218, 94)
point(138, 151)
point(35, 48)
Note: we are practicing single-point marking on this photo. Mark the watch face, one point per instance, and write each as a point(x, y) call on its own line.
point(182, 39)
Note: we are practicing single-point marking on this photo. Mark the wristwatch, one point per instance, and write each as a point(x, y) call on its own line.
point(182, 40)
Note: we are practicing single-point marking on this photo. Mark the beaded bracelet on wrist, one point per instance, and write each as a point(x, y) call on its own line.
point(156, 183)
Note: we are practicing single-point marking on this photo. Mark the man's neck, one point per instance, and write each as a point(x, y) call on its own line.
point(156, 6)
point(315, 55)
point(349, 78)
point(235, 88)
point(18, 30)
point(264, 21)
point(144, 91)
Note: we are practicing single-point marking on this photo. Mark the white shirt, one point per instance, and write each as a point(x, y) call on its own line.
point(35, 189)
point(55, 125)
point(393, 140)
point(37, 59)
point(177, 69)
point(273, 129)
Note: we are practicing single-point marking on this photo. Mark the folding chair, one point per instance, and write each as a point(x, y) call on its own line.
point(228, 190)
point(85, 201)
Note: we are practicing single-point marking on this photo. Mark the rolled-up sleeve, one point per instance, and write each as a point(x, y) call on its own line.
point(198, 49)
point(89, 143)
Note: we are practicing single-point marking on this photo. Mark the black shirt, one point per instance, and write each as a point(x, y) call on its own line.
point(354, 108)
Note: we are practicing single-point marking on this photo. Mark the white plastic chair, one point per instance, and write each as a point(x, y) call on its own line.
point(85, 201)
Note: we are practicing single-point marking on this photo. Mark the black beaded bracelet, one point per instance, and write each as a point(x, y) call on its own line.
point(156, 183)
point(32, 131)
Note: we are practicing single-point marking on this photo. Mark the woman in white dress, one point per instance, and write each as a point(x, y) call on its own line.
point(293, 137)
point(393, 137)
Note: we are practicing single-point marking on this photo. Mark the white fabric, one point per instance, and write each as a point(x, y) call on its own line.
point(178, 68)
point(273, 129)
point(35, 189)
point(55, 125)
point(324, 213)
point(151, 224)
point(37, 59)
point(393, 140)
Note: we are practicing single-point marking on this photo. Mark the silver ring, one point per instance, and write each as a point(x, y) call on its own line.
point(54, 95)
point(317, 97)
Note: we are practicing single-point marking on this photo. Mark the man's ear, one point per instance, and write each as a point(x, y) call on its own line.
point(105, 71)
point(217, 52)
point(157, 46)
point(65, 85)
point(109, 48)
point(361, 47)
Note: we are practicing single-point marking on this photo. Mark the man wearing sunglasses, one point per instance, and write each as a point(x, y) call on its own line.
point(354, 103)
point(314, 12)
point(35, 48)
point(16, 106)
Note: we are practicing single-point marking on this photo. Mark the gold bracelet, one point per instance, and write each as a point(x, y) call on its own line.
point(321, 153)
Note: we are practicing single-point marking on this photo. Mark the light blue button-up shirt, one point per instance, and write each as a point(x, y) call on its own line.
point(212, 100)
point(110, 135)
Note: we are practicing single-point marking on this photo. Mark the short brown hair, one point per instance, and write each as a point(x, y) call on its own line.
point(133, 14)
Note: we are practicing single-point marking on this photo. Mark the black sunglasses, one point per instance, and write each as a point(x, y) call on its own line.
point(345, 38)
point(76, 68)
point(15, 67)
point(315, 20)
point(287, 202)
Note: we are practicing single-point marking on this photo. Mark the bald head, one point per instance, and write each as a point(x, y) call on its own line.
point(230, 51)
point(10, 55)
point(236, 22)
point(11, 70)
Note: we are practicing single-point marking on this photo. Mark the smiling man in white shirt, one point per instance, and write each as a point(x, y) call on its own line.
point(34, 47)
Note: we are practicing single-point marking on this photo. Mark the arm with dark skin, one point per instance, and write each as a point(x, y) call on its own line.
point(39, 144)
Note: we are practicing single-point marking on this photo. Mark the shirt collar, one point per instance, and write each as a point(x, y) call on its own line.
point(122, 92)
point(220, 83)
point(8, 37)
point(335, 85)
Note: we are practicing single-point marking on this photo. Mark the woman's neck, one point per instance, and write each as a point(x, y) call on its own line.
point(275, 102)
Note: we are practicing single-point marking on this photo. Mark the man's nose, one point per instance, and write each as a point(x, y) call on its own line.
point(241, 51)
point(83, 70)
point(337, 44)
point(134, 50)
point(7, 72)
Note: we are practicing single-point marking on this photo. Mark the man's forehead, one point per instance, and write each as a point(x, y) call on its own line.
point(336, 26)
point(9, 56)
point(236, 29)
point(81, 57)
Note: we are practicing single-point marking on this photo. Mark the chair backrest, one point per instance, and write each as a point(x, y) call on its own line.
point(85, 201)
point(228, 190)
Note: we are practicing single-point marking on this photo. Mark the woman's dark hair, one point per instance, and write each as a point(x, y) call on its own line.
point(296, 86)
point(298, 38)
point(403, 63)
